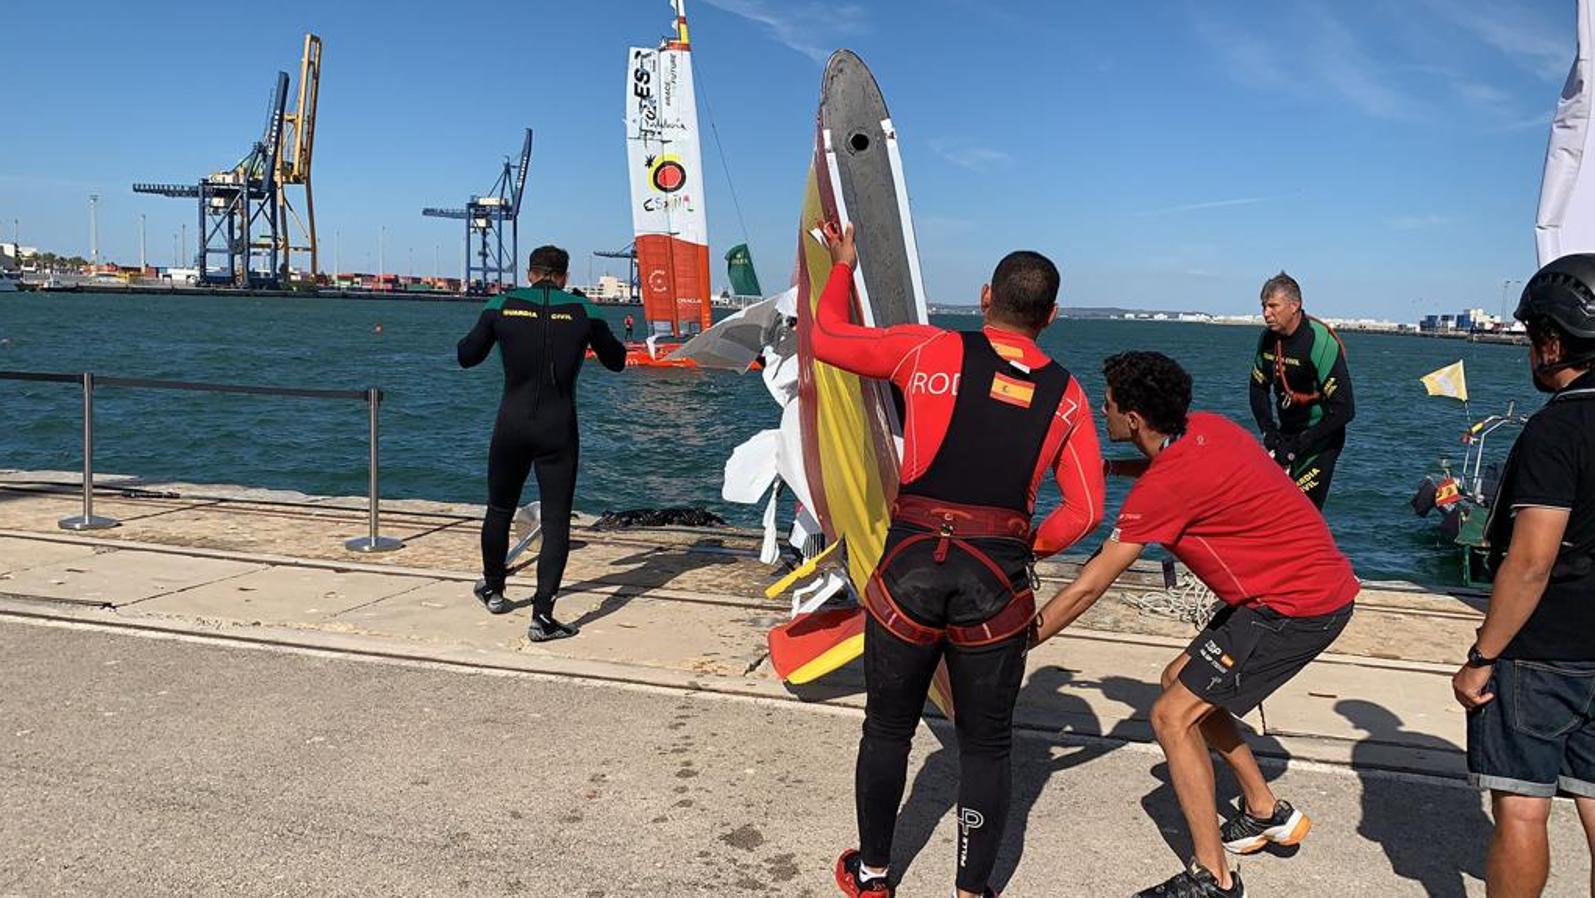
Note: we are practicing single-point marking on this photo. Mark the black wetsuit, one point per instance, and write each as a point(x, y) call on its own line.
point(543, 334)
point(984, 464)
point(1303, 377)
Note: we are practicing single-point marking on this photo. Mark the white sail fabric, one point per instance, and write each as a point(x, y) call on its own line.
point(1566, 219)
point(773, 458)
point(662, 141)
point(736, 340)
point(667, 185)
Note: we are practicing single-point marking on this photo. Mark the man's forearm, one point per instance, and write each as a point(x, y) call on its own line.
point(1262, 408)
point(1064, 609)
point(1517, 592)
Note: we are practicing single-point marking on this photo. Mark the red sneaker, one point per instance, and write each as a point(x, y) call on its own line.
point(847, 879)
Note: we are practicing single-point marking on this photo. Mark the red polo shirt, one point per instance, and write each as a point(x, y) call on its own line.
point(1224, 508)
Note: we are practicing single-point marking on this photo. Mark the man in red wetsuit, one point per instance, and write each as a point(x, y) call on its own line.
point(986, 416)
point(1210, 494)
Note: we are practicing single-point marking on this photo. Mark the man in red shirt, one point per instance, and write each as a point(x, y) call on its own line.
point(1210, 495)
point(986, 416)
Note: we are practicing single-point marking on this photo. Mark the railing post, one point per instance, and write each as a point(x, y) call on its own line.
point(87, 520)
point(373, 541)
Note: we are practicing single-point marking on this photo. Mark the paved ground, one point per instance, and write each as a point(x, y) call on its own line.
point(671, 606)
point(133, 764)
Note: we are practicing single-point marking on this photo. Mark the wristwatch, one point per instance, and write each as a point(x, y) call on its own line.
point(1476, 658)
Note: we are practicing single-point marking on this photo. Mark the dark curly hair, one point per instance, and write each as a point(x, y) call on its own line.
point(1152, 384)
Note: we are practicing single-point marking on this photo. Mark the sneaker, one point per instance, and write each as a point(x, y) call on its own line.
point(544, 628)
point(1245, 834)
point(493, 599)
point(847, 879)
point(1195, 881)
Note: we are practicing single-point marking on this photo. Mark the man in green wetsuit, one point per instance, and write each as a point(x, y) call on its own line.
point(1300, 374)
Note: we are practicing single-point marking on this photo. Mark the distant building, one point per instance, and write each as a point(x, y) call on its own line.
point(1466, 321)
point(611, 287)
point(16, 253)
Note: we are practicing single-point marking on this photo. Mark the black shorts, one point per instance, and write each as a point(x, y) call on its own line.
point(1247, 652)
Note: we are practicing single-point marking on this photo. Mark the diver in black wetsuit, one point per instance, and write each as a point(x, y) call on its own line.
point(1300, 372)
point(543, 334)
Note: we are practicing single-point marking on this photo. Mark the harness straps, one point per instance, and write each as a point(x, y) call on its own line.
point(951, 525)
point(1290, 394)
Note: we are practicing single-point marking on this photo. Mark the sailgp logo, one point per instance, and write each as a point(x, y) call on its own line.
point(969, 820)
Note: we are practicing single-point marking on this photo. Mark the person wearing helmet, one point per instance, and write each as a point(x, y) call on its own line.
point(1529, 678)
point(1302, 363)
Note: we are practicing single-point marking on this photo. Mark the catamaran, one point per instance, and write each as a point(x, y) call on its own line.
point(667, 196)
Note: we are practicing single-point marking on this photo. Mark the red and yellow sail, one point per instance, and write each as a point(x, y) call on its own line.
point(667, 185)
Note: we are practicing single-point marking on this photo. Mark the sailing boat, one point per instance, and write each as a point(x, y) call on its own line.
point(667, 196)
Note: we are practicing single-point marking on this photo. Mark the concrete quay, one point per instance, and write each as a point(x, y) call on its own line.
point(217, 696)
point(674, 607)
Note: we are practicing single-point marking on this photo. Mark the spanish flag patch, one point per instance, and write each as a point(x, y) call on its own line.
point(1007, 351)
point(1012, 391)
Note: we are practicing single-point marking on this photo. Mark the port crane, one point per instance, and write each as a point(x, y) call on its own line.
point(629, 252)
point(247, 218)
point(491, 261)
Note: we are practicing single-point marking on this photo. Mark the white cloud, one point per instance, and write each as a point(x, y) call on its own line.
point(1339, 59)
point(1539, 44)
point(1529, 123)
point(968, 154)
point(1313, 53)
point(813, 29)
point(1419, 222)
point(1209, 204)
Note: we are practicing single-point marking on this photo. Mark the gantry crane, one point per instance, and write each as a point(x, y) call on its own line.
point(488, 267)
point(244, 211)
point(293, 165)
point(630, 252)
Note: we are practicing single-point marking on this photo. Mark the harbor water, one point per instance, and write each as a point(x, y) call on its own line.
point(650, 437)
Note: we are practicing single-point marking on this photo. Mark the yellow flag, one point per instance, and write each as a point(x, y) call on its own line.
point(1448, 381)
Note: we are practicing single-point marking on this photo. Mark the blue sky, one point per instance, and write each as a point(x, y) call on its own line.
point(1168, 155)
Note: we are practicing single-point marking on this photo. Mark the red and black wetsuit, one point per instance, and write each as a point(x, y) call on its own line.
point(986, 415)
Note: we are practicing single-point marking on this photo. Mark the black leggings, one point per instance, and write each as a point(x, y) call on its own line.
point(516, 451)
point(985, 684)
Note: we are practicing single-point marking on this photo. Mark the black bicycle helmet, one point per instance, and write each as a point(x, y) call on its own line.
point(1564, 292)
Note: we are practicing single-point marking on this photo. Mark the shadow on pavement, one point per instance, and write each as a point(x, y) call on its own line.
point(1436, 840)
point(934, 791)
point(645, 571)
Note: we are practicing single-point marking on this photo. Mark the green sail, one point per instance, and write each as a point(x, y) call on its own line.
point(739, 267)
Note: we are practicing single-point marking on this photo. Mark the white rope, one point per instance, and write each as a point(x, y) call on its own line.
point(1187, 600)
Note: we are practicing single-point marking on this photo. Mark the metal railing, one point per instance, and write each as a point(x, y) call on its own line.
point(373, 541)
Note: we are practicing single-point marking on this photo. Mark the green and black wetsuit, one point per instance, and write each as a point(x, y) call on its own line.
point(543, 334)
point(1303, 378)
